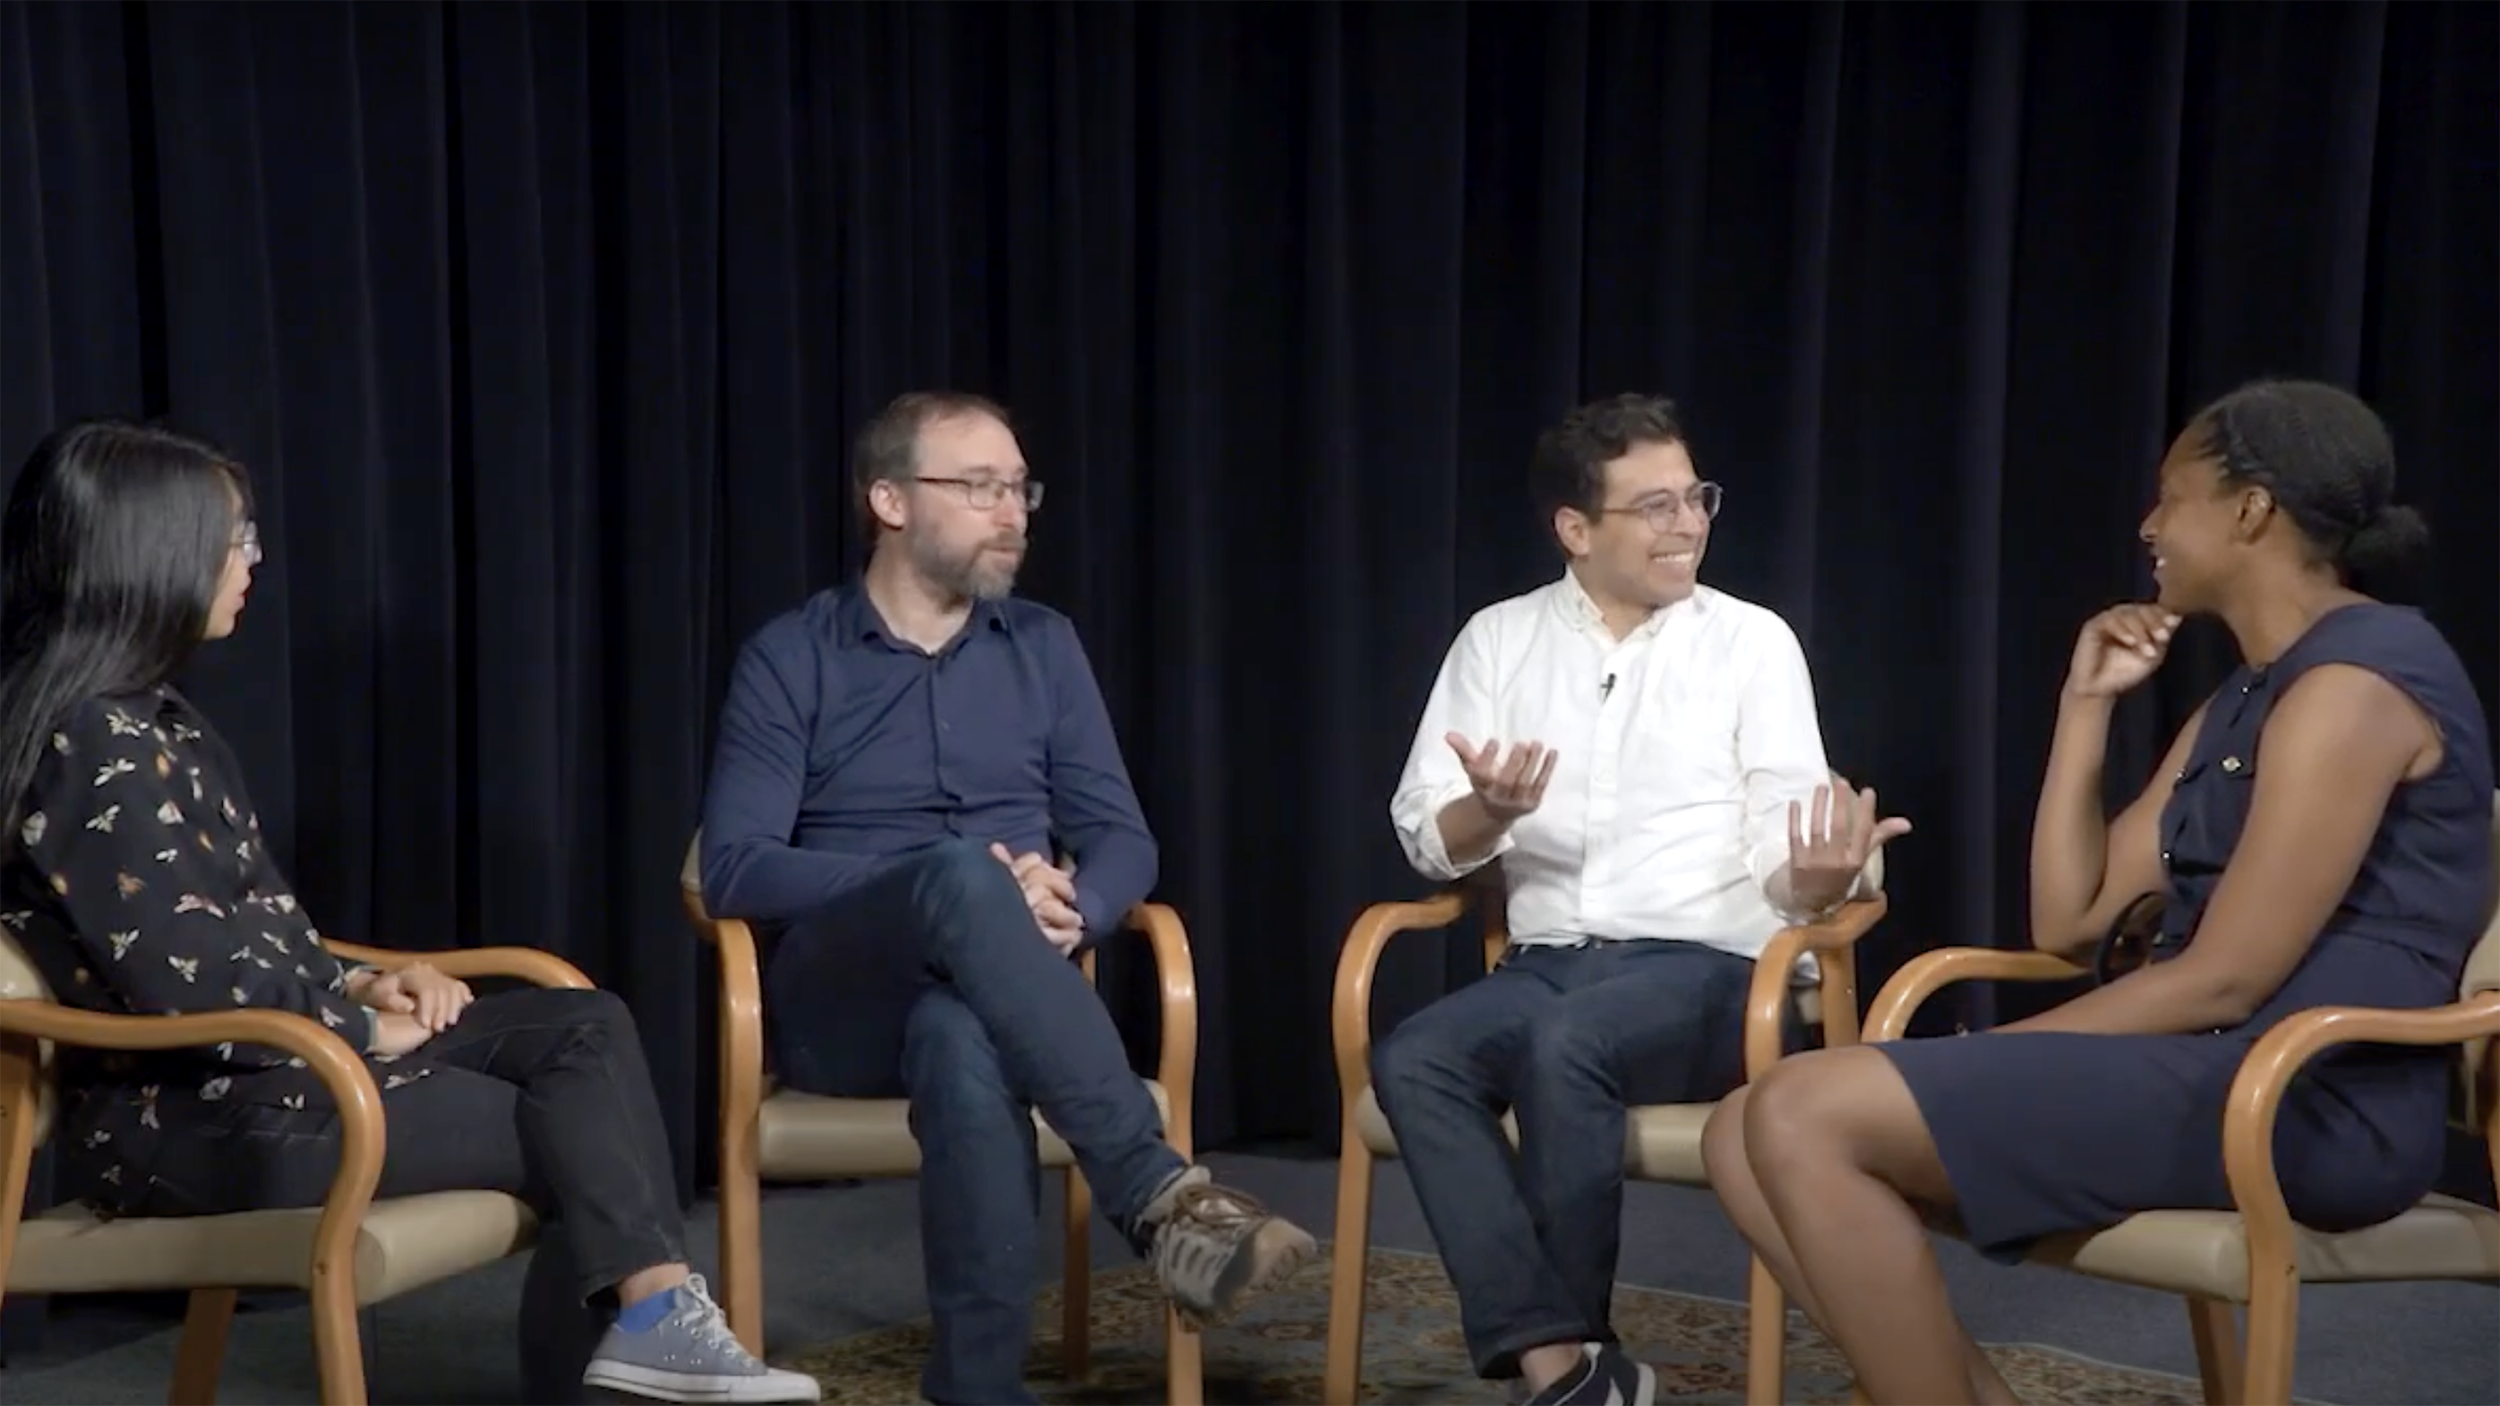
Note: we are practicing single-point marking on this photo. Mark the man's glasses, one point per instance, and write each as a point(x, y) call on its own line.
point(985, 494)
point(1660, 510)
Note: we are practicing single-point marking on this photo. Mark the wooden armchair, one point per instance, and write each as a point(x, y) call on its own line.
point(2257, 1256)
point(1662, 1141)
point(795, 1137)
point(351, 1252)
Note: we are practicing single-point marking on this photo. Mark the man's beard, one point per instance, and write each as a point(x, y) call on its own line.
point(978, 574)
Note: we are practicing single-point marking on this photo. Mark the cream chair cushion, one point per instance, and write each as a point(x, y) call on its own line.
point(2205, 1253)
point(405, 1243)
point(804, 1137)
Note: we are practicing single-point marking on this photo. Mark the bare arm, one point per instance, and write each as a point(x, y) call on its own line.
point(2335, 748)
point(2085, 870)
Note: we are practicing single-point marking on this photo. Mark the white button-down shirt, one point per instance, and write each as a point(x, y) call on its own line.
point(1679, 748)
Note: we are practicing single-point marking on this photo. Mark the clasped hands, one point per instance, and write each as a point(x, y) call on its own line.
point(1050, 892)
point(416, 1003)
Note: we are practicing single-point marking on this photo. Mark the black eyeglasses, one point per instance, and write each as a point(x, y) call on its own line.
point(985, 494)
point(1660, 510)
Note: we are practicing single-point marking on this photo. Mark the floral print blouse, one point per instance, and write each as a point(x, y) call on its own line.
point(140, 886)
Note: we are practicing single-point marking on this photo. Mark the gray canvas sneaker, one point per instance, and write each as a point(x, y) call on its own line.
point(691, 1355)
point(1214, 1247)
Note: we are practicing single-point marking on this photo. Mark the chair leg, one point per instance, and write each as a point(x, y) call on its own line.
point(1343, 1376)
point(741, 1254)
point(2273, 1316)
point(338, 1345)
point(1766, 1336)
point(2215, 1327)
point(202, 1350)
point(1076, 1305)
point(1185, 1373)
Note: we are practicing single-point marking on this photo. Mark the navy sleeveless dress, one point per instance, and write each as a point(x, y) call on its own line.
point(2043, 1133)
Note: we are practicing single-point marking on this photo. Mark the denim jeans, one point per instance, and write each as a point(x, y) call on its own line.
point(542, 1094)
point(1568, 1038)
point(934, 983)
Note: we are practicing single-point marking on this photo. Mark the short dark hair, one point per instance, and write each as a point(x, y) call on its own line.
point(1567, 469)
point(2327, 459)
point(888, 449)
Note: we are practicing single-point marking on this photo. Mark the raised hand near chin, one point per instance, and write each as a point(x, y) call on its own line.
point(2120, 648)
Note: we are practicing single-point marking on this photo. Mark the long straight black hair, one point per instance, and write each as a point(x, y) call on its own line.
point(112, 549)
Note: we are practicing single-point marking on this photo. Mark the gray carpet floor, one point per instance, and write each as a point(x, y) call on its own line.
point(844, 1260)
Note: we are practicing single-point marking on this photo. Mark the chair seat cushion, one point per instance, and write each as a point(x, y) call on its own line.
point(807, 1137)
point(2206, 1252)
point(1661, 1142)
point(406, 1243)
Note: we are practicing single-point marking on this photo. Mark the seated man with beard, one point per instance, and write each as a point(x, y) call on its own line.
point(896, 760)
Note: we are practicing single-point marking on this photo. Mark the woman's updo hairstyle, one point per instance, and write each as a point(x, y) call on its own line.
point(2327, 460)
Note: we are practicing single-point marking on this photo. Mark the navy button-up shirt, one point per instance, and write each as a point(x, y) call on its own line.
point(843, 749)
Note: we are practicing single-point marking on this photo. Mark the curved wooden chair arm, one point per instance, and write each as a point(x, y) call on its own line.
point(341, 1071)
point(1176, 986)
point(1830, 940)
point(1350, 1006)
point(2267, 1073)
point(539, 968)
point(1930, 972)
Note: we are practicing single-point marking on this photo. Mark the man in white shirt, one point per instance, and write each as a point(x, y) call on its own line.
point(1642, 754)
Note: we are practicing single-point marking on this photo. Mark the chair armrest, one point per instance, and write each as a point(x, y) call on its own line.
point(2267, 1072)
point(1830, 940)
point(341, 1071)
point(1930, 972)
point(1176, 987)
point(528, 964)
point(1350, 1006)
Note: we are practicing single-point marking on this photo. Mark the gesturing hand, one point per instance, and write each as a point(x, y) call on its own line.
point(1507, 787)
point(421, 991)
point(2120, 648)
point(1827, 848)
point(1050, 892)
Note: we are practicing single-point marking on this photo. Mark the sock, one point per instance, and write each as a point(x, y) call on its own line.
point(644, 1314)
point(1572, 1380)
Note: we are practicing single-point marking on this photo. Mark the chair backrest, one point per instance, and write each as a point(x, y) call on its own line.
point(19, 981)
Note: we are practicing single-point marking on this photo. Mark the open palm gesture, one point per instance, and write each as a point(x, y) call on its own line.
point(1507, 786)
point(1830, 839)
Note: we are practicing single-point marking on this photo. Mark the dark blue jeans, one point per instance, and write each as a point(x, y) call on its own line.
point(934, 983)
point(1568, 1038)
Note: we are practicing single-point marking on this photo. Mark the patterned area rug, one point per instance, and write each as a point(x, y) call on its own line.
point(1412, 1352)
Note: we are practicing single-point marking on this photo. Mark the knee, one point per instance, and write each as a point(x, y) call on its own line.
point(601, 1017)
point(962, 881)
point(1403, 1063)
point(1723, 1155)
point(1788, 1115)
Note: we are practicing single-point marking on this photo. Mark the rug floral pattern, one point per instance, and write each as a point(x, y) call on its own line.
point(1412, 1352)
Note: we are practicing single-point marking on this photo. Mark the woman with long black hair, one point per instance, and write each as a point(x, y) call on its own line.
point(133, 874)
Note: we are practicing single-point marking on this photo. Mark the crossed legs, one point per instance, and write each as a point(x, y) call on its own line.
point(1822, 1163)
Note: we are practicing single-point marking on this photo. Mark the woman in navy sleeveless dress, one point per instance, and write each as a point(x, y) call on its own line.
point(2321, 834)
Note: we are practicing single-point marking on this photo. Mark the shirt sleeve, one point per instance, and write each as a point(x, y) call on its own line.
point(1093, 805)
point(1461, 701)
point(750, 868)
point(1779, 747)
point(120, 832)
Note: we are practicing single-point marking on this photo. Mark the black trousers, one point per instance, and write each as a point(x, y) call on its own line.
point(542, 1094)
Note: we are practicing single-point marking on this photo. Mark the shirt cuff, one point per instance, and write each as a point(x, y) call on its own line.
point(1434, 852)
point(1098, 924)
